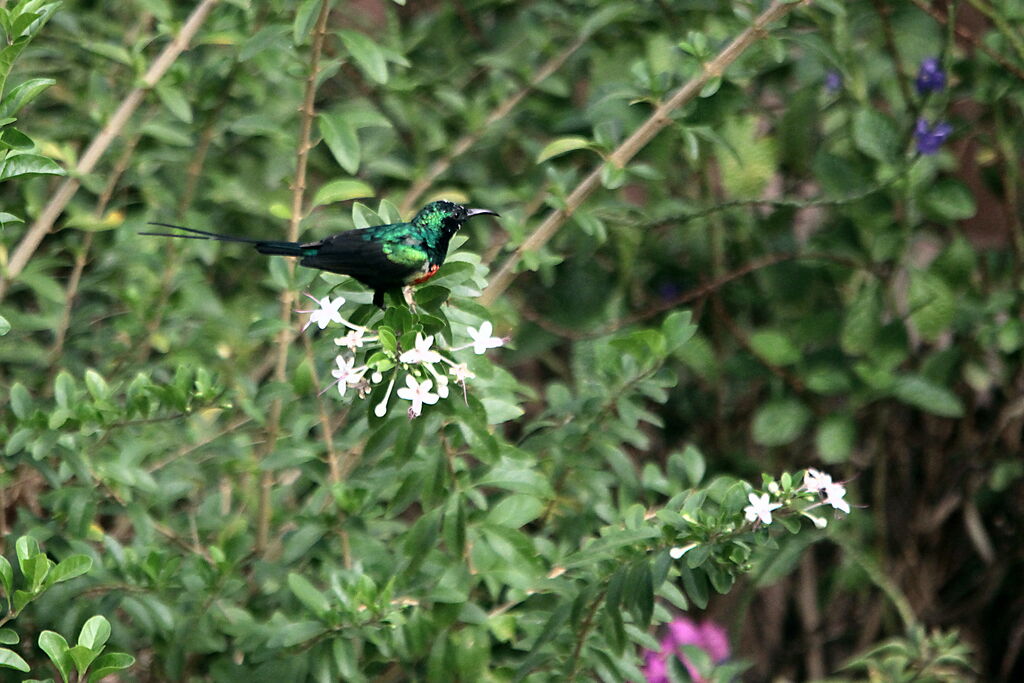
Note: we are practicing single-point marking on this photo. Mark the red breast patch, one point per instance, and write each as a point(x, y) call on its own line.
point(427, 275)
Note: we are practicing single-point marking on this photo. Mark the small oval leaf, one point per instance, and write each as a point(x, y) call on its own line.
point(561, 146)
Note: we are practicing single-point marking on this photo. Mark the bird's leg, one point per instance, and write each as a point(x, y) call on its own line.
point(407, 293)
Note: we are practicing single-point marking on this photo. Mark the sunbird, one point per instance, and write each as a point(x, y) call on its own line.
point(382, 257)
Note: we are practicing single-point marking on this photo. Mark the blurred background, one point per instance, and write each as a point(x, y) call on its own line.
point(840, 210)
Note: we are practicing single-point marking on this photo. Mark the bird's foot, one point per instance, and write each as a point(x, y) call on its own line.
point(407, 294)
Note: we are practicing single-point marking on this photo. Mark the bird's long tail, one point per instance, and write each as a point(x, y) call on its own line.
point(262, 246)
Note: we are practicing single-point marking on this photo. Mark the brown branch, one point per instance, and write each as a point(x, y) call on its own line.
point(463, 144)
point(82, 257)
point(99, 145)
point(680, 299)
point(284, 337)
point(1002, 26)
point(658, 120)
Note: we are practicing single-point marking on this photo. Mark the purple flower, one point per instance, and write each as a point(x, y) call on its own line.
point(929, 138)
point(833, 82)
point(706, 635)
point(930, 77)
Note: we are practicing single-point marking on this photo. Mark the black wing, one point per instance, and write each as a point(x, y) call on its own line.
point(368, 255)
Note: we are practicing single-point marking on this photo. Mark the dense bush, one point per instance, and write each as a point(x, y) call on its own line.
point(735, 239)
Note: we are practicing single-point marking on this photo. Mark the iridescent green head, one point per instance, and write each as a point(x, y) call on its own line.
point(447, 217)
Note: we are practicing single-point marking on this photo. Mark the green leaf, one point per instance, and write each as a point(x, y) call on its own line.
point(751, 161)
point(834, 438)
point(12, 138)
point(175, 101)
point(69, 568)
point(56, 648)
point(5, 326)
point(779, 422)
point(678, 328)
point(8, 55)
point(949, 200)
point(608, 546)
point(8, 636)
point(308, 594)
point(340, 191)
point(12, 660)
point(875, 134)
point(96, 384)
point(26, 547)
point(21, 401)
point(342, 140)
point(305, 19)
point(17, 165)
point(95, 632)
point(8, 218)
point(82, 657)
point(922, 393)
point(932, 304)
point(22, 94)
point(862, 322)
point(367, 54)
point(108, 664)
point(694, 465)
point(774, 347)
point(516, 511)
point(561, 146)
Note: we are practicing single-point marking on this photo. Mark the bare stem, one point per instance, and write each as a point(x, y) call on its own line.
point(99, 145)
point(82, 257)
point(463, 144)
point(287, 296)
point(659, 119)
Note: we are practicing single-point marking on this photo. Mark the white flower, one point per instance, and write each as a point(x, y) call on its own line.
point(353, 340)
point(418, 393)
point(819, 522)
point(327, 313)
point(834, 496)
point(376, 377)
point(815, 480)
point(421, 351)
point(347, 374)
point(760, 508)
point(482, 339)
point(461, 372)
point(442, 384)
point(773, 488)
point(381, 408)
point(677, 552)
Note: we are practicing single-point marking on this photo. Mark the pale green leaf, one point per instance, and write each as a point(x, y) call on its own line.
point(340, 191)
point(561, 146)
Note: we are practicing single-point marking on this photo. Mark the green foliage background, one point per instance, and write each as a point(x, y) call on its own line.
point(855, 307)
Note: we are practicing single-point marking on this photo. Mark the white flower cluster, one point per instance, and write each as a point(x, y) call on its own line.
point(427, 376)
point(815, 483)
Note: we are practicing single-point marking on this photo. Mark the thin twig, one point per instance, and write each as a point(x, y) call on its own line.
point(463, 144)
point(99, 145)
point(82, 257)
point(1012, 35)
point(174, 252)
point(327, 429)
point(284, 337)
point(975, 42)
point(658, 120)
point(581, 637)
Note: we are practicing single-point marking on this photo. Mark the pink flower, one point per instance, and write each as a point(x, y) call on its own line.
point(706, 635)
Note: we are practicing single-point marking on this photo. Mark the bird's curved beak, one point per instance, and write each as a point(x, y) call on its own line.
point(481, 212)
